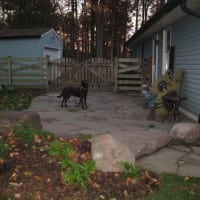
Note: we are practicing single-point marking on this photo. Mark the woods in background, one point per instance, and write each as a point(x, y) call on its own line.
point(89, 28)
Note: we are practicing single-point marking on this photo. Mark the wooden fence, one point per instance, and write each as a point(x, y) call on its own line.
point(98, 72)
point(102, 75)
point(127, 74)
point(23, 72)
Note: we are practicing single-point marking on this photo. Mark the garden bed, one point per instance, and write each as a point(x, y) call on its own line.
point(30, 170)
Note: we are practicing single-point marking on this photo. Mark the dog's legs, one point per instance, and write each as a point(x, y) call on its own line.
point(85, 101)
point(62, 101)
point(66, 99)
point(81, 100)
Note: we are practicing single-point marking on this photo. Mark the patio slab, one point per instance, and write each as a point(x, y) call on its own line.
point(122, 116)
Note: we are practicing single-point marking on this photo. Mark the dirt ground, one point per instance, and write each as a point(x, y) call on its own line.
point(29, 172)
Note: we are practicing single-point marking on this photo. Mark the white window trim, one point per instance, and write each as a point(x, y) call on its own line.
point(165, 52)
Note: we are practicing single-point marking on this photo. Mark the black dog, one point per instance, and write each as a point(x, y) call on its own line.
point(81, 92)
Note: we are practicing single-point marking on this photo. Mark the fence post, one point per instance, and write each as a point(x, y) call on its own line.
point(10, 70)
point(115, 88)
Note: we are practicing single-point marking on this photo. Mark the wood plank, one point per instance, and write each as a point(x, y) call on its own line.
point(129, 88)
point(32, 59)
point(28, 75)
point(123, 66)
point(129, 60)
point(130, 76)
point(4, 70)
point(129, 82)
point(128, 69)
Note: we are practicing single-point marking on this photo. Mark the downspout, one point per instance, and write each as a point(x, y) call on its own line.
point(188, 10)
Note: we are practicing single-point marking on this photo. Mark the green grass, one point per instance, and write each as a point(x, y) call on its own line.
point(27, 132)
point(175, 187)
point(130, 170)
point(74, 173)
point(17, 99)
point(3, 149)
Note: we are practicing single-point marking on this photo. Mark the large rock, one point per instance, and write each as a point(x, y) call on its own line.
point(186, 132)
point(143, 141)
point(109, 153)
point(13, 118)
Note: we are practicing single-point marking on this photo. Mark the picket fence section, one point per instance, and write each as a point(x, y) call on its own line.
point(23, 72)
point(103, 75)
point(98, 72)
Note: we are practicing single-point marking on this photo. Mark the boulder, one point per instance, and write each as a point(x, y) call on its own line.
point(13, 118)
point(143, 141)
point(188, 133)
point(109, 153)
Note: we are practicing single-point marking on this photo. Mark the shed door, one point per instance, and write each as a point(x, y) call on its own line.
point(52, 53)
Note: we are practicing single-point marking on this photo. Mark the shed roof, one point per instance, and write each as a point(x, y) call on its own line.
point(23, 33)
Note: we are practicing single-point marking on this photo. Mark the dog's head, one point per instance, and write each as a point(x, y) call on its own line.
point(84, 84)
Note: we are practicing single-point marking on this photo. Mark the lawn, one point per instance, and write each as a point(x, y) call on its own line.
point(176, 188)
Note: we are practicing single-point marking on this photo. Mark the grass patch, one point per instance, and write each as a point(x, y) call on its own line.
point(27, 132)
point(3, 149)
point(18, 99)
point(176, 188)
point(130, 170)
point(73, 172)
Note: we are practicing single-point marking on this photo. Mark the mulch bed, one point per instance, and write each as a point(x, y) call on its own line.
point(29, 172)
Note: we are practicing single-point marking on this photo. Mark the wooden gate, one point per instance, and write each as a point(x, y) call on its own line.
point(98, 72)
point(127, 73)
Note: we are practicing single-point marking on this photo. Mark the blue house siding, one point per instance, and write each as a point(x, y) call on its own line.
point(20, 47)
point(186, 39)
point(26, 52)
point(51, 40)
point(137, 51)
point(148, 48)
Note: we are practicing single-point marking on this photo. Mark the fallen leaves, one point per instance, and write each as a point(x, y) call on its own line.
point(33, 170)
point(130, 180)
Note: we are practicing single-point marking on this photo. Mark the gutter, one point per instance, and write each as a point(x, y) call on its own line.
point(188, 10)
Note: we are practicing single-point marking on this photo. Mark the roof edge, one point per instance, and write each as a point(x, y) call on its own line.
point(168, 7)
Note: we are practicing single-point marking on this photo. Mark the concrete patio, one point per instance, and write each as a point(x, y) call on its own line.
point(120, 115)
